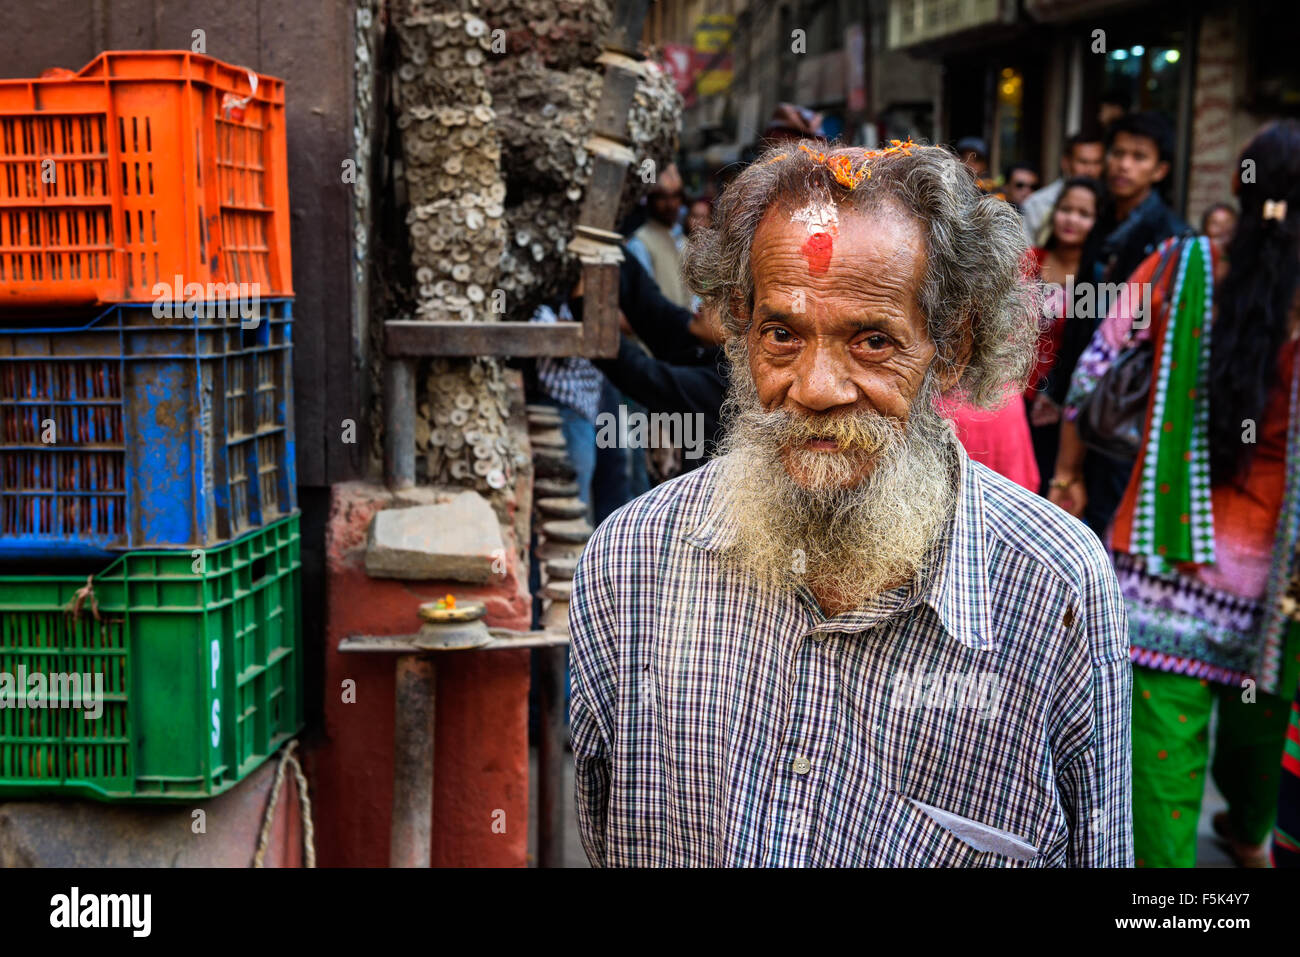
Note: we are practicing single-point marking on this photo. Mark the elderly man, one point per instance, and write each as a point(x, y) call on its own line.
point(841, 642)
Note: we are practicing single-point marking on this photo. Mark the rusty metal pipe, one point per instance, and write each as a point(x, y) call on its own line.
point(550, 758)
point(413, 729)
point(399, 423)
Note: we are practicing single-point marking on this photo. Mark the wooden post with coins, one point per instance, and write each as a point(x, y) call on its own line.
point(464, 240)
point(472, 256)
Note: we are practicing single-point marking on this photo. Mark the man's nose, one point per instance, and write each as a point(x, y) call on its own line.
point(823, 382)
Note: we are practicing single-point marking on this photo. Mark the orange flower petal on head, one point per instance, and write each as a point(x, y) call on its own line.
point(842, 169)
point(817, 157)
point(841, 165)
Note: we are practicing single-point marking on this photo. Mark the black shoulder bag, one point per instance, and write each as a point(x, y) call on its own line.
point(1111, 417)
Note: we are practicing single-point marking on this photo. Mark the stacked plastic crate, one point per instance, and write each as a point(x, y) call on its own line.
point(146, 395)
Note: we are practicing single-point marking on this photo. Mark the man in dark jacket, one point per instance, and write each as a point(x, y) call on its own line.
point(1135, 220)
point(684, 373)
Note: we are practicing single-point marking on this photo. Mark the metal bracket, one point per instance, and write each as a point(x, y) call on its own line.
point(452, 638)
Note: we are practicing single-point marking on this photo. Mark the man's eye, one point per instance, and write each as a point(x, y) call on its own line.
point(779, 336)
point(876, 341)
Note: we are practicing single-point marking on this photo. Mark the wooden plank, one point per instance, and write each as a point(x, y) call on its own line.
point(550, 757)
point(522, 339)
point(600, 310)
point(415, 693)
point(609, 171)
point(619, 86)
point(328, 349)
point(503, 639)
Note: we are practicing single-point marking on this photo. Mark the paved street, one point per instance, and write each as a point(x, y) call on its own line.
point(1208, 851)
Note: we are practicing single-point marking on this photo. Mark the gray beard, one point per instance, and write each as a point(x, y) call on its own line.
point(852, 541)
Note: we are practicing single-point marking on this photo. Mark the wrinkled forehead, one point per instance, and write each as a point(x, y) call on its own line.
point(822, 242)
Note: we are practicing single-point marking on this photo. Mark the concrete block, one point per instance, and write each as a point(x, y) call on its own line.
point(556, 616)
point(548, 439)
point(557, 507)
point(558, 488)
point(561, 569)
point(574, 530)
point(80, 833)
point(458, 541)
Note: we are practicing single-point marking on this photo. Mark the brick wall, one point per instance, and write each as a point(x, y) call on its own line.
point(1214, 145)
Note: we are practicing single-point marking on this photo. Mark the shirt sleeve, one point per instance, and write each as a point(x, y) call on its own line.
point(1095, 775)
point(664, 386)
point(637, 249)
point(1093, 363)
point(659, 322)
point(592, 632)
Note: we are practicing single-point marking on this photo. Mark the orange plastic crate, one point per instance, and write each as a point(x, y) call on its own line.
point(163, 163)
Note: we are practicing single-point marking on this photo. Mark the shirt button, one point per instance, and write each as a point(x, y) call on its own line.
point(801, 765)
point(819, 637)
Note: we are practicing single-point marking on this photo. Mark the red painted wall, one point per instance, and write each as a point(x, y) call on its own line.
point(481, 764)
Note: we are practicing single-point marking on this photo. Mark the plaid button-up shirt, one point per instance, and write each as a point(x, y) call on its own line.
point(978, 717)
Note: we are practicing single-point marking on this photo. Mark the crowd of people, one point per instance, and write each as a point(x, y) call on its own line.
point(1162, 412)
point(1164, 416)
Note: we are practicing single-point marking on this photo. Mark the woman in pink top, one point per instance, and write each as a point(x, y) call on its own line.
point(998, 439)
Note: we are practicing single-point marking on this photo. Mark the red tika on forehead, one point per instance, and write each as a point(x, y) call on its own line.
point(817, 250)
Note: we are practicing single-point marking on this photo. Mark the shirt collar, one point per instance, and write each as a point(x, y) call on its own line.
point(959, 589)
point(958, 585)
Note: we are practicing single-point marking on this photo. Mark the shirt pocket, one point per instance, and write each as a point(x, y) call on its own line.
point(912, 833)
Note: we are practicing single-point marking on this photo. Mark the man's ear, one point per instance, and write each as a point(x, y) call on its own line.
point(1162, 170)
point(956, 366)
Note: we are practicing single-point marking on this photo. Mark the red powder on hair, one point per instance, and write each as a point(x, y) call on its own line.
point(817, 250)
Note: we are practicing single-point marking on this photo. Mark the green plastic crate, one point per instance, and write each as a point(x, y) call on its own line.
point(202, 664)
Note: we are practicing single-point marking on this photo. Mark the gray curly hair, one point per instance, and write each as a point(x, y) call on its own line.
point(975, 281)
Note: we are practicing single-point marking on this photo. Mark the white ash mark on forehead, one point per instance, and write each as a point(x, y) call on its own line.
point(819, 217)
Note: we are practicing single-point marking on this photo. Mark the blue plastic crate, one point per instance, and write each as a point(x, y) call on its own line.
point(134, 432)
